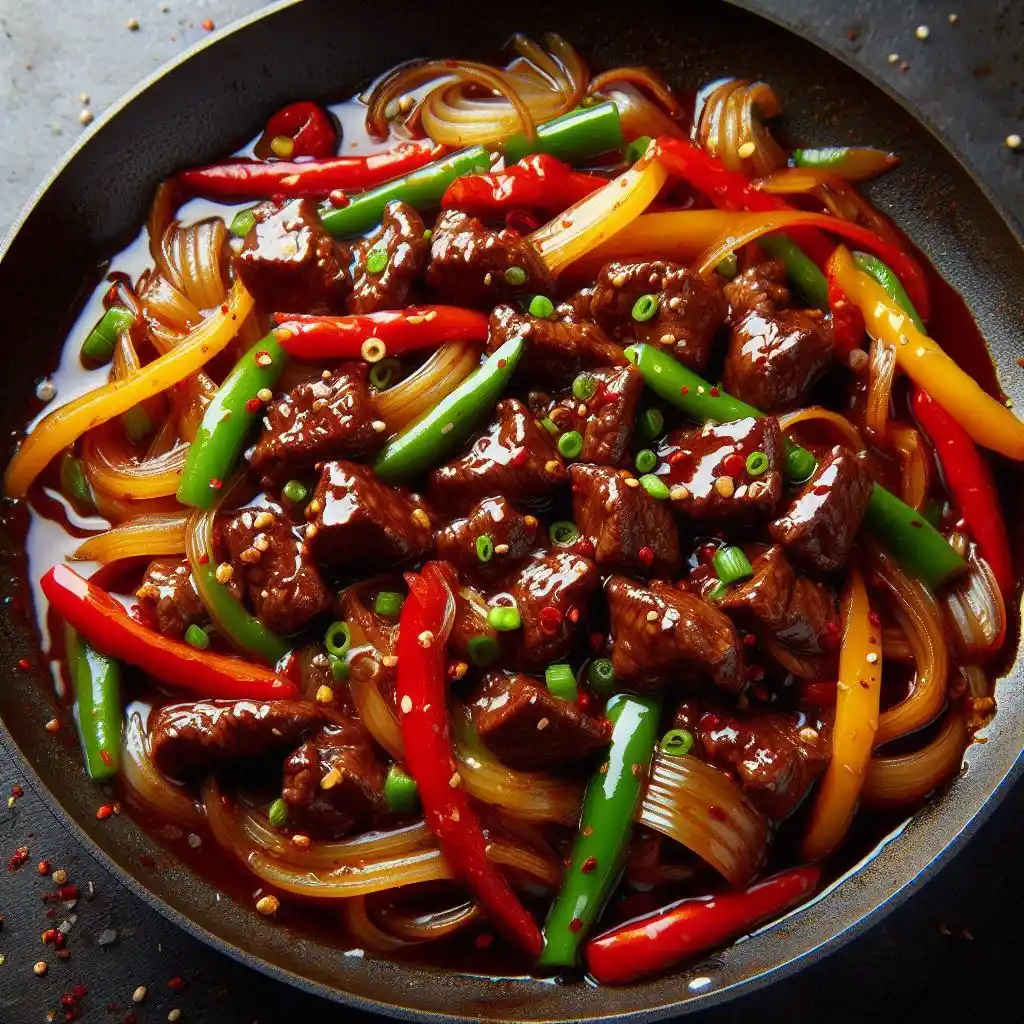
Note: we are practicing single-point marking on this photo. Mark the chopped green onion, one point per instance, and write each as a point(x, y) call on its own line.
point(295, 491)
point(550, 426)
point(74, 484)
point(98, 347)
point(137, 424)
point(561, 681)
point(564, 533)
point(483, 650)
point(339, 668)
point(484, 548)
point(731, 564)
point(196, 636)
point(584, 386)
point(601, 677)
point(277, 812)
point(338, 639)
point(654, 486)
point(382, 374)
point(242, 223)
point(401, 791)
point(645, 307)
point(571, 444)
point(376, 260)
point(637, 148)
point(428, 234)
point(800, 464)
point(677, 742)
point(515, 276)
point(542, 306)
point(757, 463)
point(728, 266)
point(505, 618)
point(646, 460)
point(719, 591)
point(388, 602)
point(652, 423)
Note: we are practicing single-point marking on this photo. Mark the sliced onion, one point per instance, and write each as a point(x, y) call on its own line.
point(161, 214)
point(707, 811)
point(728, 124)
point(802, 665)
point(637, 114)
point(881, 373)
point(918, 614)
point(895, 645)
point(974, 607)
point(915, 475)
point(145, 536)
point(816, 413)
point(441, 374)
point(148, 787)
point(438, 924)
point(111, 466)
point(907, 778)
point(368, 934)
point(376, 713)
point(976, 682)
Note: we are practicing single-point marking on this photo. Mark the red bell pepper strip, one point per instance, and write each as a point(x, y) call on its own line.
point(421, 691)
point(103, 622)
point(539, 183)
point(401, 330)
point(693, 926)
point(309, 127)
point(847, 321)
point(254, 179)
point(730, 190)
point(970, 484)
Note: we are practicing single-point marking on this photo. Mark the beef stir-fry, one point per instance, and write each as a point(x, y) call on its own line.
point(529, 529)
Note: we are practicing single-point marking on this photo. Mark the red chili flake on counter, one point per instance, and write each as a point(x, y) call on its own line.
point(550, 618)
point(208, 24)
point(49, 936)
point(575, 924)
point(23, 663)
point(588, 865)
point(18, 858)
point(253, 405)
point(68, 892)
point(734, 464)
point(646, 556)
point(44, 867)
point(104, 811)
point(17, 792)
point(176, 983)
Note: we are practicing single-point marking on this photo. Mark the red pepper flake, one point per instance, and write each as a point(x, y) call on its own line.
point(566, 223)
point(204, 559)
point(23, 663)
point(484, 940)
point(575, 925)
point(714, 392)
point(17, 792)
point(103, 812)
point(717, 813)
point(550, 618)
point(68, 892)
point(176, 983)
point(338, 199)
point(502, 363)
point(596, 641)
point(208, 24)
point(584, 547)
point(734, 465)
point(44, 867)
point(573, 615)
point(224, 309)
point(874, 619)
point(216, 483)
point(749, 640)
point(253, 405)
point(646, 556)
point(18, 858)
point(684, 390)
point(830, 636)
point(588, 865)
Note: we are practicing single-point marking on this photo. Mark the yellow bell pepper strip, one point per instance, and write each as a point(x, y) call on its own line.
point(985, 418)
point(62, 427)
point(603, 213)
point(853, 735)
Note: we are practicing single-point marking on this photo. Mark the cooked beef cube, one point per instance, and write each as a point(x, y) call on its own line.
point(551, 594)
point(328, 418)
point(209, 732)
point(707, 471)
point(313, 668)
point(630, 530)
point(774, 358)
point(400, 237)
point(556, 349)
point(511, 536)
point(761, 287)
point(289, 261)
point(514, 456)
point(689, 311)
point(334, 782)
point(661, 633)
point(529, 729)
point(470, 265)
point(799, 612)
point(820, 523)
point(470, 622)
point(169, 597)
point(284, 587)
point(358, 521)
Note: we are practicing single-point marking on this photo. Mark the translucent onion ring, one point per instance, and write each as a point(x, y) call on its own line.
point(915, 477)
point(148, 535)
point(846, 430)
point(974, 606)
point(110, 465)
point(802, 665)
point(638, 115)
point(727, 122)
point(410, 398)
point(644, 77)
point(881, 373)
point(429, 927)
point(368, 934)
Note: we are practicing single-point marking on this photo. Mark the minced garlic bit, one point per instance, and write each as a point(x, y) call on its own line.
point(501, 549)
point(132, 24)
point(268, 905)
point(324, 695)
point(261, 542)
point(406, 704)
point(631, 481)
point(85, 117)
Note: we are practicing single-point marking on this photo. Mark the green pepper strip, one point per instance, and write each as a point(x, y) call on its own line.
point(574, 137)
point(96, 680)
point(98, 347)
point(227, 422)
point(874, 267)
point(613, 793)
point(801, 270)
point(916, 544)
point(429, 440)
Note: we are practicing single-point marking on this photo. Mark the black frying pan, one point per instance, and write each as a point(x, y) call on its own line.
point(202, 107)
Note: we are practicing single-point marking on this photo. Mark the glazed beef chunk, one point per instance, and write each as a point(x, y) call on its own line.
point(761, 287)
point(557, 349)
point(283, 585)
point(514, 456)
point(630, 530)
point(819, 525)
point(527, 728)
point(775, 757)
point(334, 781)
point(551, 593)
point(800, 613)
point(661, 634)
point(707, 472)
point(399, 237)
point(688, 314)
point(328, 418)
point(471, 628)
point(509, 536)
point(197, 735)
point(169, 598)
point(289, 261)
point(470, 265)
point(359, 522)
point(775, 358)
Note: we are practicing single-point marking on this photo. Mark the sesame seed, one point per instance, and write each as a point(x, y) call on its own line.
point(326, 375)
point(631, 481)
point(406, 704)
point(667, 339)
point(331, 779)
point(543, 724)
point(894, 58)
point(872, 658)
point(311, 531)
point(420, 518)
point(263, 520)
point(53, 725)
point(1013, 141)
point(416, 318)
point(174, 1015)
point(619, 280)
point(224, 572)
point(379, 426)
point(679, 493)
point(139, 994)
point(264, 394)
point(324, 695)
point(808, 735)
point(455, 780)
point(41, 968)
point(746, 149)
point(389, 661)
point(652, 616)
point(700, 389)
point(501, 549)
point(922, 32)
point(132, 24)
point(725, 486)
point(85, 117)
point(953, 19)
point(432, 315)
point(426, 638)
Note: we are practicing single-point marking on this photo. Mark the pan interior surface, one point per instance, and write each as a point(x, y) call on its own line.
point(217, 99)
